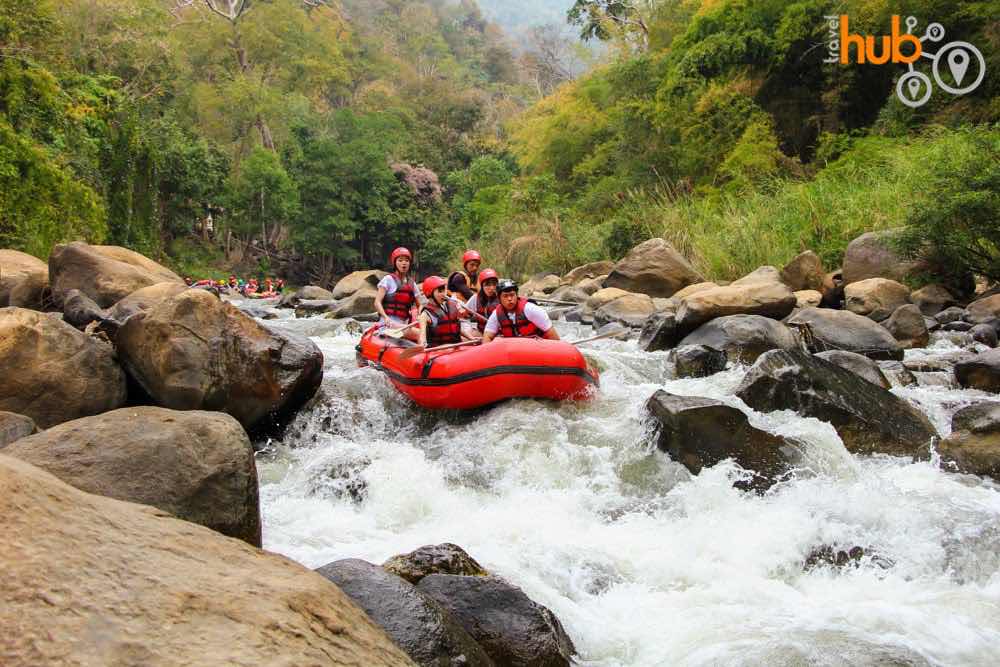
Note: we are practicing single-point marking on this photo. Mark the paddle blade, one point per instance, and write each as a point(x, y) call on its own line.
point(412, 352)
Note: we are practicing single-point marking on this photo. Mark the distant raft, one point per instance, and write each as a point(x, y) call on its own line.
point(469, 377)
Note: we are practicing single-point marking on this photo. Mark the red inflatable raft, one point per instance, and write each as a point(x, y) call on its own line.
point(475, 375)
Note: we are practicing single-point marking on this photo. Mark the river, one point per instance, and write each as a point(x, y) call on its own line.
point(644, 563)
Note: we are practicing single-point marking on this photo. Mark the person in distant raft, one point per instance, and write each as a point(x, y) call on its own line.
point(439, 319)
point(396, 300)
point(485, 301)
point(463, 284)
point(515, 317)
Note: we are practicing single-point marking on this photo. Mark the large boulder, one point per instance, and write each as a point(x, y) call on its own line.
point(655, 268)
point(14, 427)
point(698, 361)
point(144, 299)
point(982, 311)
point(591, 270)
point(604, 296)
point(195, 352)
point(514, 630)
point(631, 310)
point(824, 329)
point(79, 310)
point(107, 274)
point(868, 418)
point(769, 299)
point(351, 283)
point(985, 334)
point(876, 298)
point(24, 280)
point(743, 337)
point(907, 325)
point(199, 466)
point(860, 365)
point(980, 372)
point(446, 558)
point(974, 444)
point(89, 580)
point(762, 274)
point(871, 256)
point(804, 272)
point(418, 625)
point(52, 372)
point(692, 289)
point(932, 299)
point(361, 302)
point(700, 432)
point(658, 333)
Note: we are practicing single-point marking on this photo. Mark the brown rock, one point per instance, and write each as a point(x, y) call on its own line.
point(96, 581)
point(858, 364)
point(351, 283)
point(591, 285)
point(198, 466)
point(804, 272)
point(630, 310)
point(871, 256)
point(908, 327)
point(603, 296)
point(763, 274)
point(591, 270)
point(833, 289)
point(932, 299)
point(980, 372)
point(53, 373)
point(359, 303)
point(974, 444)
point(693, 289)
point(842, 330)
point(653, 268)
point(743, 337)
point(144, 299)
point(983, 310)
point(876, 298)
point(14, 427)
point(107, 274)
point(808, 299)
point(24, 280)
point(444, 558)
point(769, 299)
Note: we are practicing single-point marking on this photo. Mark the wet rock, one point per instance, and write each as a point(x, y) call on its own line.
point(842, 330)
point(109, 582)
point(418, 625)
point(808, 299)
point(53, 373)
point(931, 324)
point(698, 361)
point(842, 557)
point(932, 299)
point(974, 444)
point(144, 299)
point(960, 327)
point(906, 324)
point(658, 333)
point(871, 256)
point(195, 352)
point(349, 284)
point(983, 310)
point(588, 271)
point(978, 418)
point(446, 558)
point(24, 280)
point(513, 629)
point(897, 373)
point(198, 466)
point(942, 362)
point(742, 337)
point(655, 268)
point(804, 272)
point(14, 427)
point(860, 365)
point(701, 432)
point(769, 299)
point(107, 274)
point(950, 314)
point(868, 418)
point(985, 334)
point(980, 372)
point(876, 298)
point(79, 310)
point(631, 310)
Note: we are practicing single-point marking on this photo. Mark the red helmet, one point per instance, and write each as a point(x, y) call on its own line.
point(397, 253)
point(487, 274)
point(471, 256)
point(431, 283)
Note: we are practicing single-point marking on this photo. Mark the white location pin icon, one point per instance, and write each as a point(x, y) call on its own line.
point(958, 63)
point(914, 86)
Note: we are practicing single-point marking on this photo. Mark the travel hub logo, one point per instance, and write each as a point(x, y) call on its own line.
point(958, 67)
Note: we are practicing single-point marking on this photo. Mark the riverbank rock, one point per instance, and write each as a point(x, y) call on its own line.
point(808, 299)
point(14, 427)
point(932, 299)
point(985, 334)
point(198, 466)
point(349, 284)
point(701, 432)
point(768, 299)
point(804, 272)
point(361, 302)
point(418, 625)
point(144, 299)
point(693, 289)
point(826, 329)
point(974, 444)
point(897, 373)
point(107, 274)
point(96, 581)
point(655, 268)
point(871, 256)
point(860, 365)
point(79, 310)
point(869, 419)
point(833, 289)
point(981, 372)
point(698, 361)
point(570, 293)
point(984, 310)
point(446, 558)
point(743, 338)
point(631, 310)
point(659, 332)
point(762, 274)
point(907, 326)
point(195, 352)
point(512, 629)
point(24, 280)
point(53, 373)
point(877, 298)
point(588, 271)
point(950, 314)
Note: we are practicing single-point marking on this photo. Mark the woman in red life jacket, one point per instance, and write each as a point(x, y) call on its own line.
point(439, 320)
point(463, 284)
point(515, 317)
point(485, 301)
point(396, 300)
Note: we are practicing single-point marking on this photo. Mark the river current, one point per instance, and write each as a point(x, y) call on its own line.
point(644, 563)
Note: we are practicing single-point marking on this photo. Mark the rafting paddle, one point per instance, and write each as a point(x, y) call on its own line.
point(398, 333)
point(609, 334)
point(420, 349)
point(466, 308)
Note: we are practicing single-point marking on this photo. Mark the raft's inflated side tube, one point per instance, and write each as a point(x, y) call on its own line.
point(477, 375)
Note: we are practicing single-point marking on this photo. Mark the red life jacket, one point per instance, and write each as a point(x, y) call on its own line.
point(444, 327)
point(521, 327)
point(398, 303)
point(485, 310)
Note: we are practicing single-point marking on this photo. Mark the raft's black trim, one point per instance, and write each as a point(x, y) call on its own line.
point(488, 372)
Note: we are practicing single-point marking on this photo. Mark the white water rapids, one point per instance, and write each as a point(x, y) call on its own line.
point(644, 563)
